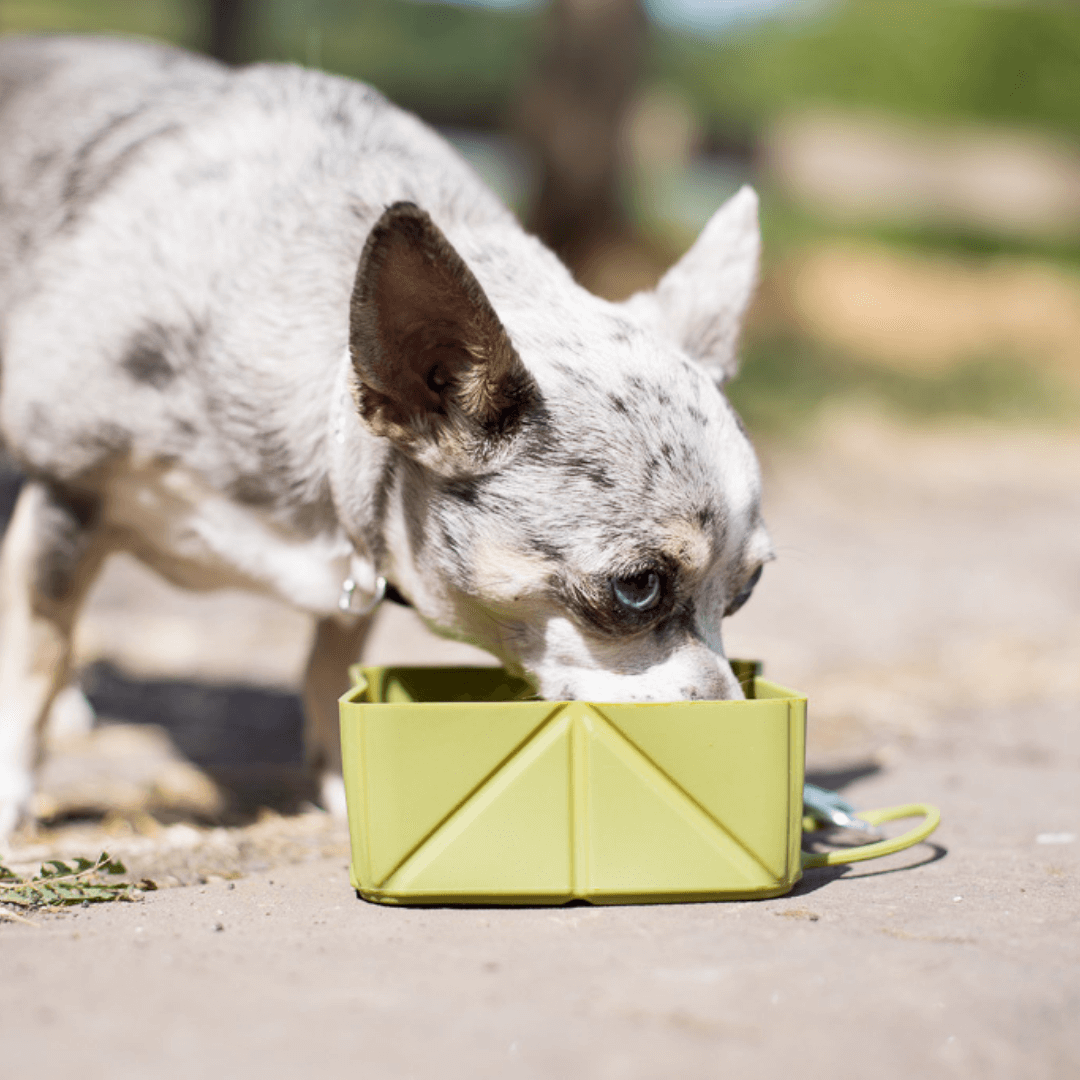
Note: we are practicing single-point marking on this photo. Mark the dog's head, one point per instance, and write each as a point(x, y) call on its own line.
point(570, 489)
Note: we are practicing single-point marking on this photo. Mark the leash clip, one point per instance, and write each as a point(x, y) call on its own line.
point(830, 809)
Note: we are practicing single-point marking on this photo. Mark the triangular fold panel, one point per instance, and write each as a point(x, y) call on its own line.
point(738, 770)
point(511, 839)
point(646, 836)
point(428, 765)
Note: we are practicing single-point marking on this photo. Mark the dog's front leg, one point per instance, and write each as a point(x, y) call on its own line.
point(336, 645)
point(51, 551)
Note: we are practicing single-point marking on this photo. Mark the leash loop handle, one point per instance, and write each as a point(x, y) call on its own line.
point(931, 819)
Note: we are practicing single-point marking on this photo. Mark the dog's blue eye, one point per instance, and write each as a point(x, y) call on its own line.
point(640, 592)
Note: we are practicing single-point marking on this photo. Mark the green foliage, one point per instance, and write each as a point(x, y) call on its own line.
point(60, 884)
point(179, 21)
point(948, 60)
point(439, 59)
point(932, 59)
point(786, 226)
point(786, 379)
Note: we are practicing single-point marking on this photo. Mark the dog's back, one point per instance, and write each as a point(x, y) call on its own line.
point(81, 116)
point(174, 233)
point(70, 116)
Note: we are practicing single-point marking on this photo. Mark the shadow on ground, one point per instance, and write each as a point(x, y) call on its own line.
point(247, 739)
point(838, 779)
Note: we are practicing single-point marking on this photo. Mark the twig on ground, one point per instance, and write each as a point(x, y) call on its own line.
point(13, 916)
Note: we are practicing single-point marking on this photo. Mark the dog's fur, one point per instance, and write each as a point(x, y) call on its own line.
point(262, 329)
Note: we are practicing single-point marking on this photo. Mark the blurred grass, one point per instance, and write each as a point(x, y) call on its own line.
point(945, 60)
point(972, 244)
point(787, 380)
point(787, 226)
point(950, 60)
point(178, 21)
point(439, 60)
point(1016, 64)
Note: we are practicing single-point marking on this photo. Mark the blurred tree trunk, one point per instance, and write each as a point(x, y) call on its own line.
point(228, 22)
point(572, 115)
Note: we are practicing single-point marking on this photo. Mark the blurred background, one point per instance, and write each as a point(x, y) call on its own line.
point(918, 160)
point(911, 365)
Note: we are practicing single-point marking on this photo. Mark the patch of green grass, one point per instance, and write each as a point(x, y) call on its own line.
point(948, 60)
point(178, 21)
point(956, 240)
point(441, 60)
point(787, 380)
point(786, 227)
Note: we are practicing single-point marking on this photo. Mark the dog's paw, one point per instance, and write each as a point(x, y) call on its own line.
point(332, 795)
point(15, 791)
point(71, 715)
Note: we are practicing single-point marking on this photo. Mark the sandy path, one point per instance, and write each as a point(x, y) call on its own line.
point(928, 600)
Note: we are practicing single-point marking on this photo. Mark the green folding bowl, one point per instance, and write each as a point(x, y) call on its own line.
point(462, 789)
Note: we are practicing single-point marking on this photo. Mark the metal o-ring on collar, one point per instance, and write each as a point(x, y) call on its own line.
point(348, 595)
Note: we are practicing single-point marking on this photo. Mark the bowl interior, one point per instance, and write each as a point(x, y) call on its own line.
point(404, 685)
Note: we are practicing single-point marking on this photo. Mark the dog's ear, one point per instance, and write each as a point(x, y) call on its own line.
point(701, 301)
point(435, 369)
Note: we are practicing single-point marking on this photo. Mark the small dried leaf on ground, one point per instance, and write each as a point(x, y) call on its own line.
point(62, 884)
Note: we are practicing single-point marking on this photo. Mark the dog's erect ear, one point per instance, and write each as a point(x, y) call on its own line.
point(435, 369)
point(701, 301)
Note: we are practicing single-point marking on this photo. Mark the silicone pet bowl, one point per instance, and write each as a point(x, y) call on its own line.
point(464, 789)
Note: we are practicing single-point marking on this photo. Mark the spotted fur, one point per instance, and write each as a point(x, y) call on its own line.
point(277, 333)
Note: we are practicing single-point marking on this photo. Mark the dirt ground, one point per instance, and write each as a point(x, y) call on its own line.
point(927, 598)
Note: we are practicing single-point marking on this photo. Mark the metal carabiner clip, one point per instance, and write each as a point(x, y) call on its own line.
point(829, 808)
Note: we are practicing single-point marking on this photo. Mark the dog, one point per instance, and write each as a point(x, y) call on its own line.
point(262, 329)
